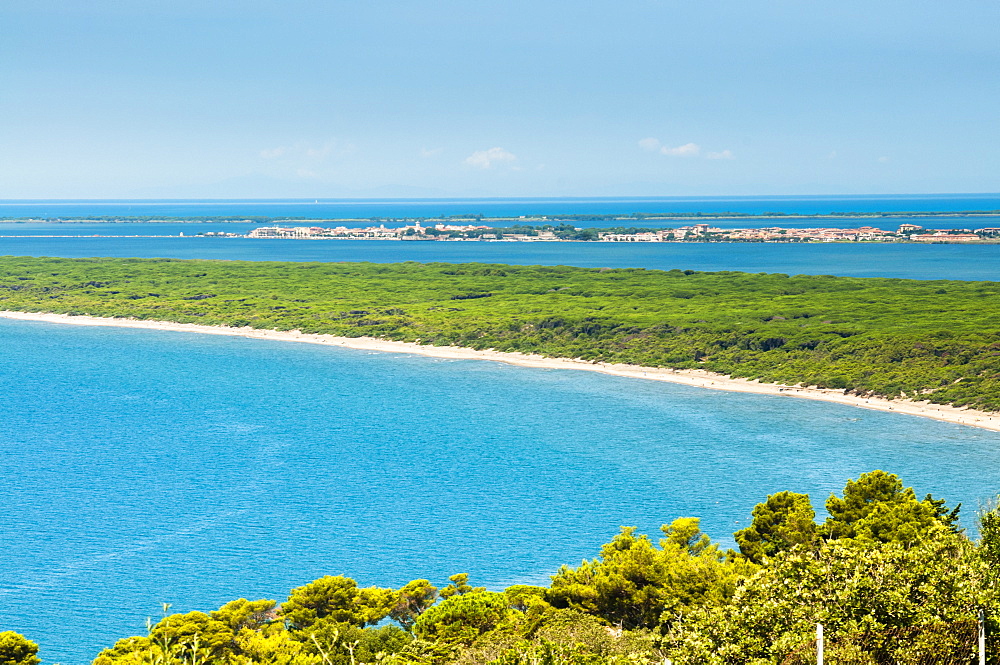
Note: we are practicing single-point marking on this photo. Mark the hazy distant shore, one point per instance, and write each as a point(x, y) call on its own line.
point(655, 227)
point(517, 219)
point(694, 378)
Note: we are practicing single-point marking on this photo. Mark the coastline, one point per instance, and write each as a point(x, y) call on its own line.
point(694, 378)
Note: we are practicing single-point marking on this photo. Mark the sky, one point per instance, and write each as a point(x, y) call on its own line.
point(379, 98)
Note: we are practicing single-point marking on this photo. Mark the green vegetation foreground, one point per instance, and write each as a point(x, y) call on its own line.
point(936, 340)
point(891, 578)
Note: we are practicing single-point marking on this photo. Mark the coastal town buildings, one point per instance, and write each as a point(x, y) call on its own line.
point(441, 232)
point(942, 236)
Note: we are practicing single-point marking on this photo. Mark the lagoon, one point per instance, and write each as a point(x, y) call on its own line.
point(909, 261)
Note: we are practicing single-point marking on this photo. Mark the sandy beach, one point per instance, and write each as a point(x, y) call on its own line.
point(696, 378)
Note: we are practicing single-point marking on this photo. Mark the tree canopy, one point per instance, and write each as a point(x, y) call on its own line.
point(633, 582)
point(16, 649)
point(786, 519)
point(339, 599)
point(883, 561)
point(876, 507)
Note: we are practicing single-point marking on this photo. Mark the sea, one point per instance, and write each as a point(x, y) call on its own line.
point(495, 207)
point(147, 467)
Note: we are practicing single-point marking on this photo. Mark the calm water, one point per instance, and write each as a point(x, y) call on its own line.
point(970, 262)
point(368, 208)
point(145, 467)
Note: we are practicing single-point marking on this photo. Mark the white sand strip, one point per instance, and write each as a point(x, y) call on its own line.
point(693, 377)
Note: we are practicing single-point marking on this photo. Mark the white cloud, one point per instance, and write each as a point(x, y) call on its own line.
point(274, 153)
point(649, 144)
point(652, 144)
point(686, 150)
point(883, 160)
point(484, 159)
point(433, 152)
point(725, 154)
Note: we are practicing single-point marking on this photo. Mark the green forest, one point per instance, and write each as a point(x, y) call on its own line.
point(935, 340)
point(891, 577)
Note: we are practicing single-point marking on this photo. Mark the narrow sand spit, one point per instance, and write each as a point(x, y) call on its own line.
point(696, 378)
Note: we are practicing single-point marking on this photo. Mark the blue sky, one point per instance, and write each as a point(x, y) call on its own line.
point(251, 98)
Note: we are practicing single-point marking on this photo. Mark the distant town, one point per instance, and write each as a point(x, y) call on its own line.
point(684, 227)
point(439, 232)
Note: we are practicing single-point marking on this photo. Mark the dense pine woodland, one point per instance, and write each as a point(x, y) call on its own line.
point(892, 578)
point(935, 340)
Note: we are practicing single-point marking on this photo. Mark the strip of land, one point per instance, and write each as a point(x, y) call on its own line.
point(894, 339)
point(701, 233)
point(690, 377)
point(569, 233)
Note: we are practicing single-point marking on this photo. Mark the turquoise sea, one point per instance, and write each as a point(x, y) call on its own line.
point(144, 467)
point(496, 207)
point(969, 262)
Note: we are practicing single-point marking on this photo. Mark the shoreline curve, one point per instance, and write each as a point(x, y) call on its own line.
point(690, 377)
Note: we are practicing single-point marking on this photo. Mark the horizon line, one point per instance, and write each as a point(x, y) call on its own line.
point(410, 199)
